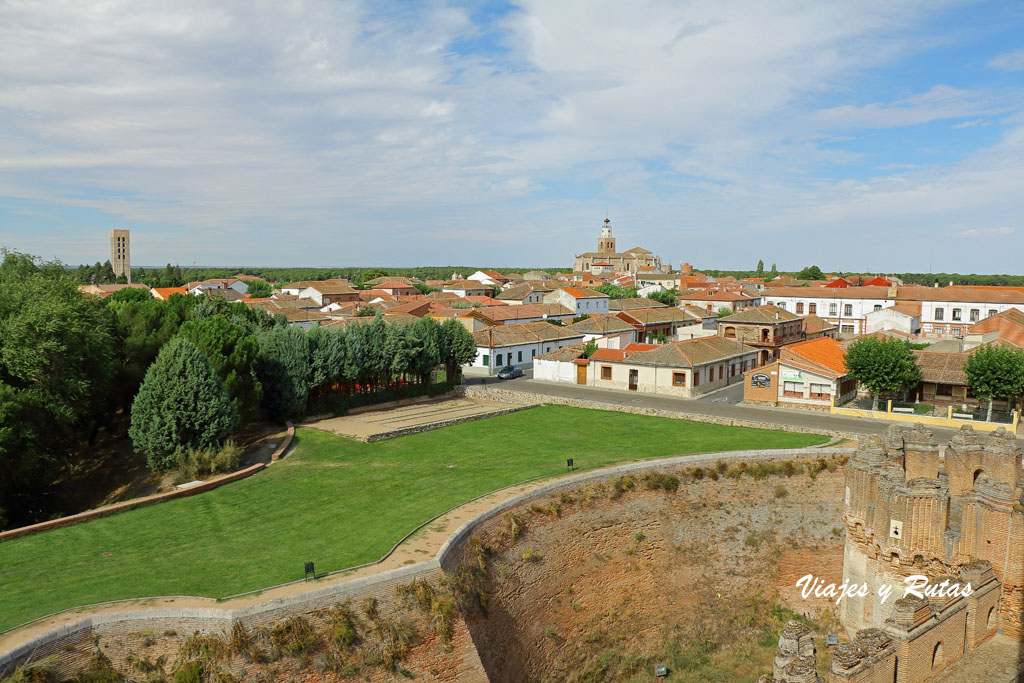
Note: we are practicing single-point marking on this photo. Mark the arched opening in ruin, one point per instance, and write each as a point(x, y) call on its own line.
point(937, 656)
point(980, 475)
point(919, 561)
point(990, 623)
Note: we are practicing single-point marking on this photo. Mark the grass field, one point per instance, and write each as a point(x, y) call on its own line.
point(337, 502)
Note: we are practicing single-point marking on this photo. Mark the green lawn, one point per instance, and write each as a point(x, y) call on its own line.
point(337, 502)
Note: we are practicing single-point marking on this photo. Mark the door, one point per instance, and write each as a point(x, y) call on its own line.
point(634, 379)
point(581, 374)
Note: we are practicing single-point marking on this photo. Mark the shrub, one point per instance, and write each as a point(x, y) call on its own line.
point(195, 464)
point(293, 637)
point(660, 480)
point(181, 405)
point(713, 475)
point(189, 672)
point(620, 486)
point(531, 556)
point(344, 629)
point(698, 473)
point(781, 491)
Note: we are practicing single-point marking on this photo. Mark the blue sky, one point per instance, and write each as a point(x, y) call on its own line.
point(858, 136)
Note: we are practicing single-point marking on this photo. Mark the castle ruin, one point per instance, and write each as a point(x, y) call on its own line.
point(953, 515)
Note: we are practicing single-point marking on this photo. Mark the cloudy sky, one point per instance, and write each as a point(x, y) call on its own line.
point(870, 135)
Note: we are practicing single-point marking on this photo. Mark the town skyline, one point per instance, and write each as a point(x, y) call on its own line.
point(387, 134)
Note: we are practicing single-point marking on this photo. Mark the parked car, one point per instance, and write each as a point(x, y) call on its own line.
point(510, 372)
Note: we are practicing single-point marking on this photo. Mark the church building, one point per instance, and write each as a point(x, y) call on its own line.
point(607, 260)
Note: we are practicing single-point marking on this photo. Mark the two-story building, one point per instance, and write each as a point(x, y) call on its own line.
point(580, 300)
point(806, 375)
point(766, 328)
point(651, 324)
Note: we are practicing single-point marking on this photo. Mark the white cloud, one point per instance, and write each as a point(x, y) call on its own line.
point(987, 232)
point(1011, 61)
point(694, 124)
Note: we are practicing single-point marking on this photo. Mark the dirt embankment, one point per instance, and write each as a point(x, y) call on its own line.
point(606, 582)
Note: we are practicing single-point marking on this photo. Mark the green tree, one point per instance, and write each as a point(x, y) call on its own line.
point(283, 369)
point(326, 357)
point(231, 350)
point(811, 273)
point(995, 372)
point(882, 365)
point(182, 405)
point(427, 335)
point(141, 328)
point(457, 347)
point(129, 294)
point(259, 289)
point(775, 272)
point(590, 348)
point(760, 268)
point(667, 297)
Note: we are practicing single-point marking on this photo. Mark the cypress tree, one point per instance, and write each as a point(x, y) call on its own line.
point(181, 405)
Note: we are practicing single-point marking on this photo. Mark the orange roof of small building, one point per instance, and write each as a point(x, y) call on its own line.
point(166, 292)
point(823, 351)
point(582, 293)
point(608, 354)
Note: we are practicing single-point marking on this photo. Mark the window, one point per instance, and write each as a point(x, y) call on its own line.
point(878, 307)
point(782, 305)
point(820, 391)
point(940, 329)
point(800, 307)
point(487, 361)
point(696, 378)
point(940, 313)
point(944, 389)
point(721, 371)
point(497, 359)
point(520, 356)
point(679, 379)
point(606, 372)
point(956, 314)
point(793, 389)
point(991, 312)
point(533, 353)
point(975, 315)
point(955, 331)
point(847, 329)
point(812, 308)
point(833, 309)
point(848, 309)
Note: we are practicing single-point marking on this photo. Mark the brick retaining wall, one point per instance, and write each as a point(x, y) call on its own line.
point(150, 500)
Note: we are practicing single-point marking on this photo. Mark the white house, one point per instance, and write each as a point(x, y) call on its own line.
point(904, 316)
point(519, 344)
point(579, 299)
point(464, 288)
point(205, 286)
point(607, 330)
point(296, 287)
point(491, 278)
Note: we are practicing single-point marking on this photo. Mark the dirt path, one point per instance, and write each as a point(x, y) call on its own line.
point(364, 425)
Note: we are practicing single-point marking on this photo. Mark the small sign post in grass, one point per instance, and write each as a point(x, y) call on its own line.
point(310, 572)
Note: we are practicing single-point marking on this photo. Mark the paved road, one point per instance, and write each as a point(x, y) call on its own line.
point(781, 416)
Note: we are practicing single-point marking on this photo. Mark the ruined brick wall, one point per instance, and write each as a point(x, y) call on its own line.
point(900, 525)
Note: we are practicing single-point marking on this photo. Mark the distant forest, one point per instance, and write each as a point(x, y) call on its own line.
point(175, 276)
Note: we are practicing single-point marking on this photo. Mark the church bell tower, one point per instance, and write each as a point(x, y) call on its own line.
point(606, 244)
